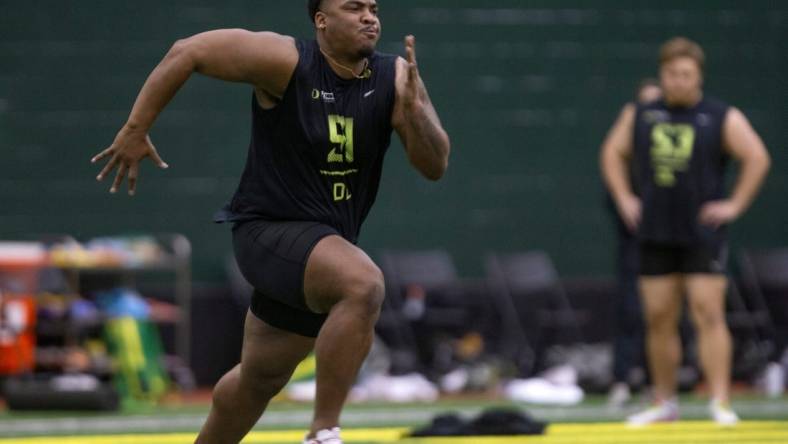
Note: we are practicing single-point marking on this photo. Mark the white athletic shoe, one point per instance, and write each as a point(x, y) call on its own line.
point(325, 436)
point(618, 395)
point(665, 411)
point(722, 413)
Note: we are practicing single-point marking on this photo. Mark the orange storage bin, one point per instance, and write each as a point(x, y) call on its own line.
point(20, 264)
point(17, 334)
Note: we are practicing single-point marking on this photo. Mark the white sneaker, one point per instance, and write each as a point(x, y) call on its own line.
point(665, 411)
point(722, 413)
point(325, 436)
point(618, 395)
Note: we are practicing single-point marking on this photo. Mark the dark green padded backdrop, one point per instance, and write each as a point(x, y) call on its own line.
point(527, 90)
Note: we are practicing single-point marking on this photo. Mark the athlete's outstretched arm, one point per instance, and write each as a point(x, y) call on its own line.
point(263, 59)
point(742, 142)
point(614, 161)
point(416, 120)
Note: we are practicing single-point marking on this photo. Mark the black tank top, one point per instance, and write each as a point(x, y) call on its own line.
point(679, 165)
point(318, 155)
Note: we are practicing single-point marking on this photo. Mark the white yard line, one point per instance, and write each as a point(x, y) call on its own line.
point(352, 417)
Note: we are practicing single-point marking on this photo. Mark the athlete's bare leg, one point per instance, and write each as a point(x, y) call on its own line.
point(707, 303)
point(661, 297)
point(268, 358)
point(343, 281)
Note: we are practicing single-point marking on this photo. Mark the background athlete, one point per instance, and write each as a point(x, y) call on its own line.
point(323, 112)
point(679, 209)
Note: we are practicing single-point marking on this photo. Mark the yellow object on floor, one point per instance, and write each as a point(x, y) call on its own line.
point(681, 432)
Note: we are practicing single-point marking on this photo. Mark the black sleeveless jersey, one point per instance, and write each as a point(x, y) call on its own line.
point(679, 164)
point(318, 155)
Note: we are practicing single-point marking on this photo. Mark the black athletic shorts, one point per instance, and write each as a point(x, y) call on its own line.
point(272, 257)
point(659, 259)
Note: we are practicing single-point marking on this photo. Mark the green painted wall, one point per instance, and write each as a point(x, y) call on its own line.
point(527, 90)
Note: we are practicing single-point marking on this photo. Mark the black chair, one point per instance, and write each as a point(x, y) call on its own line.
point(432, 270)
point(751, 333)
point(533, 307)
point(764, 279)
point(426, 302)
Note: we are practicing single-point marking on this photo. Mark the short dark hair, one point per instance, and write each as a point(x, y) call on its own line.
point(312, 6)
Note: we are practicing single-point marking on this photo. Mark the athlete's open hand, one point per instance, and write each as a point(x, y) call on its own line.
point(718, 212)
point(126, 152)
point(414, 93)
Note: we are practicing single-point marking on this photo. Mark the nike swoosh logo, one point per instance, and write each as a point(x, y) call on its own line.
point(368, 93)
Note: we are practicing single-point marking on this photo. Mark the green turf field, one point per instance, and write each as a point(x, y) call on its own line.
point(764, 421)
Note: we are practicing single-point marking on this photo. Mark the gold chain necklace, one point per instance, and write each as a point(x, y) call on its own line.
point(365, 72)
